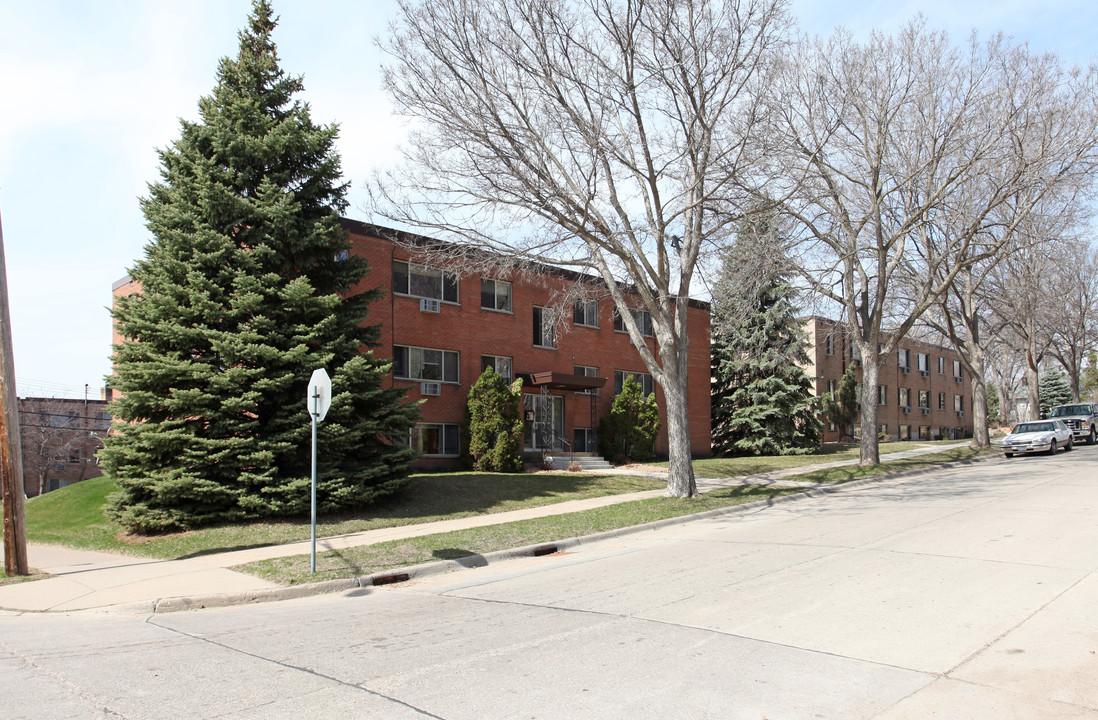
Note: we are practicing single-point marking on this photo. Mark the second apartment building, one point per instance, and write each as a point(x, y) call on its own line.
point(922, 392)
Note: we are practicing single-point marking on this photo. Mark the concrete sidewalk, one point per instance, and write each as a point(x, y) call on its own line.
point(86, 580)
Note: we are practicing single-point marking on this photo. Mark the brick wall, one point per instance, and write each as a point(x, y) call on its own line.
point(937, 380)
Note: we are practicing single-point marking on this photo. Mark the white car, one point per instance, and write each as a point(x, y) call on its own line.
point(1037, 436)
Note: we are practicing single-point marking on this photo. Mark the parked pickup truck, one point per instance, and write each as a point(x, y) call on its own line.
point(1082, 418)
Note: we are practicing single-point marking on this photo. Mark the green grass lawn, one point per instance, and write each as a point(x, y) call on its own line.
point(391, 555)
point(74, 515)
point(356, 561)
point(831, 452)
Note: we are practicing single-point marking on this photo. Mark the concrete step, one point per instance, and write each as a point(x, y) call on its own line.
point(586, 462)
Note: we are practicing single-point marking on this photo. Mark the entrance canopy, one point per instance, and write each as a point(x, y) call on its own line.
point(562, 381)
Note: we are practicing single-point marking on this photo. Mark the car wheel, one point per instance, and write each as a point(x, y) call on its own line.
point(1091, 438)
point(1052, 447)
point(1009, 455)
point(1070, 444)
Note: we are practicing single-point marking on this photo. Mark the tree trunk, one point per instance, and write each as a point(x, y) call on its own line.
point(680, 480)
point(870, 452)
point(1006, 404)
point(981, 437)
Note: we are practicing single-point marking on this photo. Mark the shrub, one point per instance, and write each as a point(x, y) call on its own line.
point(493, 424)
point(629, 431)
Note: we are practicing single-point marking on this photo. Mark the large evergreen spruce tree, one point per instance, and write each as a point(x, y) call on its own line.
point(245, 289)
point(762, 399)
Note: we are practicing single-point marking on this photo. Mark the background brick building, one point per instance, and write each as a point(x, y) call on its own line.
point(59, 438)
point(922, 393)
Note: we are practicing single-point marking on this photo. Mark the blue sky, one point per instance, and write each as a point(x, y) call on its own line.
point(88, 91)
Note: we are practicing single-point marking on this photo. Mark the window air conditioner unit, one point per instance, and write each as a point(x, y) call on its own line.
point(905, 370)
point(960, 413)
point(428, 305)
point(906, 410)
point(926, 411)
point(924, 373)
point(958, 379)
point(430, 388)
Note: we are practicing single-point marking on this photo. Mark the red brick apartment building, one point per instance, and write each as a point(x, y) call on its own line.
point(922, 393)
point(442, 329)
point(59, 438)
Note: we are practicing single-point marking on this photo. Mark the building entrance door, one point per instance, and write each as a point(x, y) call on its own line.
point(544, 422)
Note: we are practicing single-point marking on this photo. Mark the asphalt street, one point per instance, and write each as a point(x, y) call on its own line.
point(964, 594)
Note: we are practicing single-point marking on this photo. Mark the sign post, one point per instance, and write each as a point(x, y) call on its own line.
point(317, 400)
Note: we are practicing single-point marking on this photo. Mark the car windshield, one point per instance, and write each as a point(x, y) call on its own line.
point(1069, 410)
point(1033, 427)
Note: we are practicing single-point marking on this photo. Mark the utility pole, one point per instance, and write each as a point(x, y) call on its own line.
point(11, 452)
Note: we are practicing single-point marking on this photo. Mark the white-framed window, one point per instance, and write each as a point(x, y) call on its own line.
point(924, 399)
point(416, 363)
point(903, 358)
point(958, 402)
point(643, 379)
point(831, 427)
point(941, 401)
point(545, 332)
point(882, 394)
point(435, 439)
point(585, 371)
point(924, 362)
point(831, 387)
point(643, 318)
point(495, 294)
point(829, 344)
point(424, 282)
point(905, 397)
point(499, 363)
point(905, 432)
point(586, 313)
point(957, 369)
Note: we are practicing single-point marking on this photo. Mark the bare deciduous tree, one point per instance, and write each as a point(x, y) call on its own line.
point(894, 156)
point(603, 135)
point(1075, 292)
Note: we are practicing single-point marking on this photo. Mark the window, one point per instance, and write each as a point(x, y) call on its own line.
point(882, 395)
point(905, 432)
point(499, 363)
point(905, 397)
point(924, 432)
point(74, 457)
point(495, 294)
point(941, 366)
point(882, 430)
point(958, 402)
point(424, 282)
point(829, 344)
point(924, 399)
point(957, 370)
point(643, 318)
point(855, 354)
point(941, 401)
point(342, 255)
point(904, 359)
point(413, 363)
point(643, 379)
point(831, 426)
point(831, 387)
point(436, 439)
point(924, 362)
point(585, 371)
point(545, 320)
point(586, 313)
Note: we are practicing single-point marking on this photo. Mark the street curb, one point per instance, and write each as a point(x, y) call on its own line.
point(438, 567)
